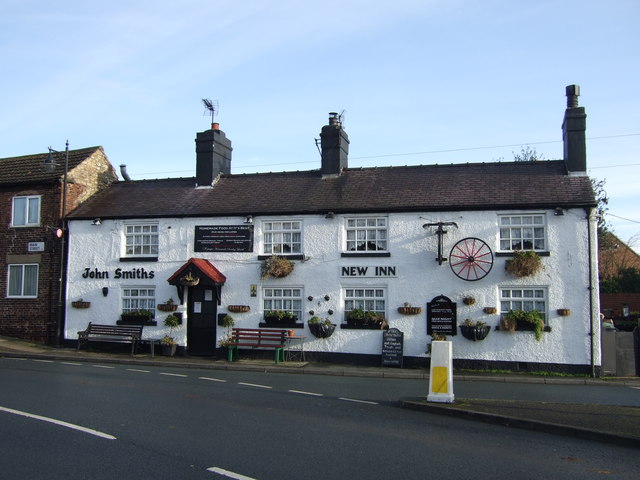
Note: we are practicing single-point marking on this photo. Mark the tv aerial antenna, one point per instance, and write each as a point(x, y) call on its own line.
point(210, 107)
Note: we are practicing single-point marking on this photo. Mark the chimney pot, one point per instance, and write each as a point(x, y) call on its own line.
point(573, 92)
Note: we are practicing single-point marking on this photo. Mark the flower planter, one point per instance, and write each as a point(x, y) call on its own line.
point(475, 332)
point(564, 312)
point(490, 310)
point(238, 308)
point(136, 320)
point(80, 304)
point(322, 330)
point(468, 300)
point(169, 350)
point(409, 310)
point(167, 307)
point(278, 321)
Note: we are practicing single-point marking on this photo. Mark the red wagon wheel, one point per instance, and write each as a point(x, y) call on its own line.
point(471, 259)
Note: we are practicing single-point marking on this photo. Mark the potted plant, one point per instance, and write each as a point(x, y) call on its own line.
point(168, 306)
point(468, 300)
point(276, 266)
point(80, 303)
point(360, 318)
point(168, 343)
point(356, 317)
point(227, 322)
point(136, 317)
point(321, 328)
point(474, 330)
point(531, 320)
point(524, 263)
point(279, 317)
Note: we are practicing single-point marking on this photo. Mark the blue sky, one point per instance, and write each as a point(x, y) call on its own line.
point(420, 82)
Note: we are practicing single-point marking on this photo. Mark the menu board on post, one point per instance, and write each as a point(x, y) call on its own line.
point(441, 316)
point(223, 238)
point(392, 348)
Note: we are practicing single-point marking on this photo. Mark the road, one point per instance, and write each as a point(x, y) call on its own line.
point(151, 422)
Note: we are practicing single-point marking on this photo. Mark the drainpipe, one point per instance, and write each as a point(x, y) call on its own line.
point(592, 289)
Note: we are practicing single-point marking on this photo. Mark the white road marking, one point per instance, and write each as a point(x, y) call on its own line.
point(229, 474)
point(358, 401)
point(213, 379)
point(138, 370)
point(60, 423)
point(307, 393)
point(70, 363)
point(42, 361)
point(254, 385)
point(173, 374)
point(12, 358)
point(102, 366)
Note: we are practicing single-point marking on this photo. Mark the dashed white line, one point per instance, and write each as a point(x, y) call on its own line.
point(71, 363)
point(42, 361)
point(307, 393)
point(212, 379)
point(254, 385)
point(355, 400)
point(229, 474)
point(60, 423)
point(173, 374)
point(138, 370)
point(103, 366)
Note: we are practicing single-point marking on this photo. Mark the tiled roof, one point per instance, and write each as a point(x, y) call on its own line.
point(479, 186)
point(29, 169)
point(204, 266)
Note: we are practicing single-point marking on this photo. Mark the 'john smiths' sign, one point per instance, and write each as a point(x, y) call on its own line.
point(441, 316)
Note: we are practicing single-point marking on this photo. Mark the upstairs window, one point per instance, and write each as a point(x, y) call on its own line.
point(141, 240)
point(26, 211)
point(23, 281)
point(522, 232)
point(367, 234)
point(282, 238)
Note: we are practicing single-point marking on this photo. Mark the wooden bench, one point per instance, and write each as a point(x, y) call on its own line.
point(111, 333)
point(257, 338)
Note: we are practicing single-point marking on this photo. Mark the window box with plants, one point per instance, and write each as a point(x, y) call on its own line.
point(321, 328)
point(80, 303)
point(408, 309)
point(366, 320)
point(137, 317)
point(474, 330)
point(280, 319)
point(524, 263)
point(276, 266)
point(520, 320)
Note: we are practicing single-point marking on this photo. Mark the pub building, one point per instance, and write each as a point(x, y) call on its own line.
point(415, 250)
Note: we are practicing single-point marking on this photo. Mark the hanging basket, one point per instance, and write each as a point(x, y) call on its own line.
point(322, 330)
point(409, 310)
point(238, 308)
point(167, 307)
point(475, 332)
point(189, 280)
point(80, 304)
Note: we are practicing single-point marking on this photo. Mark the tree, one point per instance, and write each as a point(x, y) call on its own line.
point(602, 207)
point(527, 154)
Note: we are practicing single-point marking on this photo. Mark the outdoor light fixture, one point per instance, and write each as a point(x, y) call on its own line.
point(96, 221)
point(105, 291)
point(558, 212)
point(248, 219)
point(330, 215)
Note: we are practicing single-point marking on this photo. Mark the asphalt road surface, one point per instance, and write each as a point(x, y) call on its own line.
point(91, 421)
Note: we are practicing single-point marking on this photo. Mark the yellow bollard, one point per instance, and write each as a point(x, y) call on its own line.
point(441, 373)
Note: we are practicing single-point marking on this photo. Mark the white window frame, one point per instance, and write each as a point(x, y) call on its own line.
point(22, 268)
point(138, 298)
point(367, 298)
point(282, 237)
point(141, 239)
point(288, 299)
point(366, 234)
point(526, 298)
point(522, 231)
point(29, 218)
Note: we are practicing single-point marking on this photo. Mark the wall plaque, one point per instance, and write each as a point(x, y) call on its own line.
point(441, 316)
point(392, 347)
point(223, 238)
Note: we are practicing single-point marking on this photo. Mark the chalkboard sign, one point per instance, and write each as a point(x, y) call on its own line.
point(441, 316)
point(392, 347)
point(224, 238)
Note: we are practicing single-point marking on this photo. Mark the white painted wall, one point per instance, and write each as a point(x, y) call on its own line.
point(419, 279)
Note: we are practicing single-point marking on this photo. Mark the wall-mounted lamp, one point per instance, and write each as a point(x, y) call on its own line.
point(330, 215)
point(96, 221)
point(558, 212)
point(105, 291)
point(248, 219)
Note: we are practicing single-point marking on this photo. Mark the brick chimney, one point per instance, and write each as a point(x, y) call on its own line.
point(574, 127)
point(334, 144)
point(213, 155)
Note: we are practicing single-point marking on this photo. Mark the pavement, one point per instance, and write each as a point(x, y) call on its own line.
point(606, 423)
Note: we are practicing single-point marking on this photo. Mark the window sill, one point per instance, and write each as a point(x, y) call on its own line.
point(364, 254)
point(138, 259)
point(297, 256)
point(510, 254)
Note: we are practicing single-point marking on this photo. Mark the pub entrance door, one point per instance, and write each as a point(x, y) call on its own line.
point(202, 309)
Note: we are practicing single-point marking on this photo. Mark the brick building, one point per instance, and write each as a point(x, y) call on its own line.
point(33, 235)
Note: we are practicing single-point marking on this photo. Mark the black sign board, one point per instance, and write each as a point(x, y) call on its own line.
point(392, 347)
point(224, 238)
point(441, 316)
